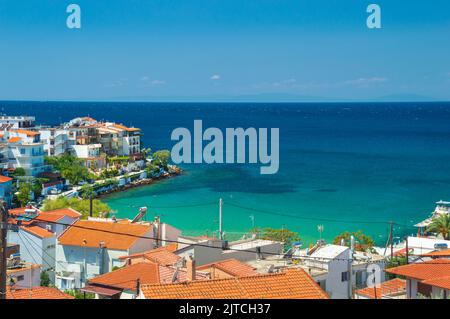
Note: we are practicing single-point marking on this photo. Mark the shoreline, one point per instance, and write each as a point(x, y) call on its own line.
point(139, 183)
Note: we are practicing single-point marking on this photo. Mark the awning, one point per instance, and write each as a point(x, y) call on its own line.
point(101, 290)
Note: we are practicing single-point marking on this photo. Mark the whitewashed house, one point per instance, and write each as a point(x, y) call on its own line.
point(93, 247)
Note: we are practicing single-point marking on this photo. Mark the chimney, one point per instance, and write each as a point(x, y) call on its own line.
point(190, 268)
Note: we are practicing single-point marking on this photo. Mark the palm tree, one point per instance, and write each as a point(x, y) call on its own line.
point(440, 225)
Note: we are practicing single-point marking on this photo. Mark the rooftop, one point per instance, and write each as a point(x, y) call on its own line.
point(36, 293)
point(88, 233)
point(438, 253)
point(427, 270)
point(162, 255)
point(291, 284)
point(232, 267)
point(5, 179)
point(329, 251)
point(37, 231)
point(392, 288)
point(126, 277)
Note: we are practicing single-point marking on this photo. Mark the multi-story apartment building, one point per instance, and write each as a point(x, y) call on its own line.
point(120, 140)
point(57, 141)
point(16, 122)
point(26, 150)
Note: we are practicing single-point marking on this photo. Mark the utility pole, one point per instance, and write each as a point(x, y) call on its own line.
point(220, 219)
point(90, 206)
point(391, 238)
point(3, 233)
point(407, 249)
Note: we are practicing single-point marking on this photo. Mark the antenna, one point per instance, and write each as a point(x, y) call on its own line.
point(220, 219)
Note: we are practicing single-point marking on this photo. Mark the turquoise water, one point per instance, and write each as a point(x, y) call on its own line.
point(348, 166)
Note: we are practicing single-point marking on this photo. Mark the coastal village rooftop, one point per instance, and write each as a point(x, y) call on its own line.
point(291, 284)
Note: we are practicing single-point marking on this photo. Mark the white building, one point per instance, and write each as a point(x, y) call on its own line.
point(120, 140)
point(86, 151)
point(36, 233)
point(16, 122)
point(24, 275)
point(93, 247)
point(56, 141)
point(26, 150)
point(428, 279)
point(208, 250)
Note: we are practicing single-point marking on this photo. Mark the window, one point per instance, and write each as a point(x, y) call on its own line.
point(22, 151)
point(20, 278)
point(344, 276)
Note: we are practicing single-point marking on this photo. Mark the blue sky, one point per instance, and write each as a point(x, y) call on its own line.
point(224, 49)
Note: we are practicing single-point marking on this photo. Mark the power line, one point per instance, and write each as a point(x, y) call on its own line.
point(187, 243)
point(307, 218)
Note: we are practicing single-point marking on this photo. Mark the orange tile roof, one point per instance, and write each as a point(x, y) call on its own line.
point(14, 139)
point(26, 266)
point(45, 217)
point(439, 253)
point(16, 211)
point(433, 269)
point(4, 179)
point(64, 212)
point(291, 284)
point(390, 287)
point(37, 231)
point(27, 132)
point(114, 235)
point(147, 273)
point(126, 277)
point(232, 266)
point(128, 129)
point(163, 255)
point(441, 282)
point(36, 293)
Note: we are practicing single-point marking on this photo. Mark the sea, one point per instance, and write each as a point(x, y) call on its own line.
point(345, 166)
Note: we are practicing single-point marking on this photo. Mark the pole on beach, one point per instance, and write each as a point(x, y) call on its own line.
point(220, 219)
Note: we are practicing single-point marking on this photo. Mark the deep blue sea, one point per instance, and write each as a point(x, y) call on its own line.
point(348, 166)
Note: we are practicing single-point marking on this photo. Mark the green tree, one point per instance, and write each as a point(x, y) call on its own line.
point(80, 205)
point(18, 172)
point(70, 167)
point(440, 225)
point(282, 235)
point(79, 294)
point(24, 195)
point(87, 191)
point(161, 158)
point(362, 242)
point(45, 279)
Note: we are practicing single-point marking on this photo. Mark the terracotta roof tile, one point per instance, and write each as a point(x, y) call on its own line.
point(439, 253)
point(163, 255)
point(390, 287)
point(147, 272)
point(37, 231)
point(114, 235)
point(36, 293)
point(14, 139)
point(63, 212)
point(27, 132)
point(45, 217)
point(5, 179)
point(231, 266)
point(126, 277)
point(423, 271)
point(291, 284)
point(441, 282)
